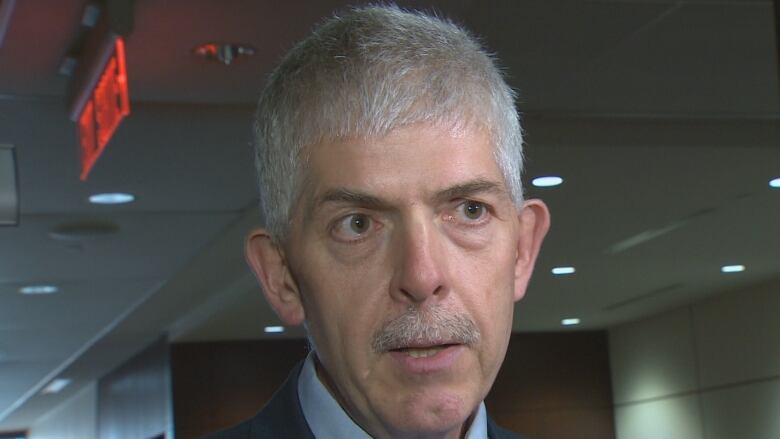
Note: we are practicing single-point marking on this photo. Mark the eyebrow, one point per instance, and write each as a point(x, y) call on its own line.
point(470, 188)
point(345, 196)
point(462, 190)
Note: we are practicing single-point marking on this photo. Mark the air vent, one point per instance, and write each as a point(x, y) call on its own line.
point(84, 230)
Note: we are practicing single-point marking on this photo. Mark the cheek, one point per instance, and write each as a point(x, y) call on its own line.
point(342, 299)
point(489, 292)
point(489, 268)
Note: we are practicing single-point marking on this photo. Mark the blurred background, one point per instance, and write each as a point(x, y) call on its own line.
point(653, 309)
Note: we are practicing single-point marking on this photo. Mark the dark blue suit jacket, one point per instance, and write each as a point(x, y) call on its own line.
point(282, 418)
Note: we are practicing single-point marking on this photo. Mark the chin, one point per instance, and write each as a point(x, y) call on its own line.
point(433, 416)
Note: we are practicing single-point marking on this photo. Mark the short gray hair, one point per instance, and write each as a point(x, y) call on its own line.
point(366, 73)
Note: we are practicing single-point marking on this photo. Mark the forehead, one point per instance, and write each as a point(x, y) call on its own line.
point(409, 163)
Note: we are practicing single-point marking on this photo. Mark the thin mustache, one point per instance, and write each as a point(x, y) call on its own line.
point(429, 327)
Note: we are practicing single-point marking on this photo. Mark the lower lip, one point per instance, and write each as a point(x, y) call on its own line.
point(438, 362)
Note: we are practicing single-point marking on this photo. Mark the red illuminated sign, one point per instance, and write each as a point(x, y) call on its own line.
point(107, 106)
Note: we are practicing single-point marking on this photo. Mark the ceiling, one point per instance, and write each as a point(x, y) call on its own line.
point(662, 116)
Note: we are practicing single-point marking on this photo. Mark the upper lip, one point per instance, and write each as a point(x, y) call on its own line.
point(423, 345)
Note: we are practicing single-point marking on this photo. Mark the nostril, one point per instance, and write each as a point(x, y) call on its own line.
point(420, 294)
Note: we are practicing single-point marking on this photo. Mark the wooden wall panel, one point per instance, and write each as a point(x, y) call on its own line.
point(218, 384)
point(555, 385)
point(551, 386)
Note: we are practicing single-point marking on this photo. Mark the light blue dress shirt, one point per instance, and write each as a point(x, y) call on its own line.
point(327, 420)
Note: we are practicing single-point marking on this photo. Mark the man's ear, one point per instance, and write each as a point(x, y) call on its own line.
point(268, 262)
point(534, 222)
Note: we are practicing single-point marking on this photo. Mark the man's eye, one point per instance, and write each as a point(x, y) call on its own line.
point(352, 227)
point(472, 210)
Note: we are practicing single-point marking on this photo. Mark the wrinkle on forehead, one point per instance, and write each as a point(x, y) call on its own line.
point(377, 146)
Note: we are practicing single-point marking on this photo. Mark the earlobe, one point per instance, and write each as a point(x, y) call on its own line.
point(534, 220)
point(268, 262)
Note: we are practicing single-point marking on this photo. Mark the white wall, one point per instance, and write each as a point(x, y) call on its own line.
point(707, 371)
point(76, 418)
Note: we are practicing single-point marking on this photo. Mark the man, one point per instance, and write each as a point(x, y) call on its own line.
point(389, 160)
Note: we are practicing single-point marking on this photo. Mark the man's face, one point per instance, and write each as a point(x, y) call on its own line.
point(407, 254)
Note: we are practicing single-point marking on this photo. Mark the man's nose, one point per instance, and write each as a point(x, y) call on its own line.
point(420, 263)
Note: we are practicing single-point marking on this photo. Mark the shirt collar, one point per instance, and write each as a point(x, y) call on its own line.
point(327, 419)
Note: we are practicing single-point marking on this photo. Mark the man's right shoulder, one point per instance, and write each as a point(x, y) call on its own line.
point(282, 417)
point(270, 423)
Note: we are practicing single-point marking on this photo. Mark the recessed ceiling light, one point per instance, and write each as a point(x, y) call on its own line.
point(274, 329)
point(775, 183)
point(563, 270)
point(570, 322)
point(732, 268)
point(39, 289)
point(55, 386)
point(547, 181)
point(112, 198)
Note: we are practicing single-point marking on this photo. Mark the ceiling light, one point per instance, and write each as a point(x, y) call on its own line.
point(112, 198)
point(732, 268)
point(775, 183)
point(274, 329)
point(563, 270)
point(39, 289)
point(570, 322)
point(547, 181)
point(55, 386)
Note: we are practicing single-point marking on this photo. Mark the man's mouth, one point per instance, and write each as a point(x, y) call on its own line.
point(427, 359)
point(423, 352)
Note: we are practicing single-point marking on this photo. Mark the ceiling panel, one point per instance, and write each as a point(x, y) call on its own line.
point(545, 45)
point(710, 206)
point(697, 58)
point(147, 245)
point(25, 374)
point(162, 153)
